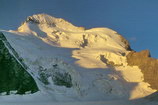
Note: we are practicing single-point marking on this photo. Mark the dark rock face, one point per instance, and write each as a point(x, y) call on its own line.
point(13, 77)
point(32, 20)
point(127, 45)
point(59, 78)
point(148, 66)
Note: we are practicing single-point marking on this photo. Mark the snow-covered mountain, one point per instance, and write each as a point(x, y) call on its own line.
point(69, 63)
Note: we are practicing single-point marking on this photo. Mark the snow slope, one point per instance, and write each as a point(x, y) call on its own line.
point(94, 58)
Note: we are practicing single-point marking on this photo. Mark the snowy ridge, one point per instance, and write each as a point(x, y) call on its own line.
point(52, 22)
point(95, 60)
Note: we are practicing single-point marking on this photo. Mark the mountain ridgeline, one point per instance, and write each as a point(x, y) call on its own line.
point(13, 76)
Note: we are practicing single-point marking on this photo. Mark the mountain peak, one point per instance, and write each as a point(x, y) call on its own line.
point(49, 21)
point(42, 19)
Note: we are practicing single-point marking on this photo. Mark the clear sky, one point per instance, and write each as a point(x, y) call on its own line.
point(136, 20)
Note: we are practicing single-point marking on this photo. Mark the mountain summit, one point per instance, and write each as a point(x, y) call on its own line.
point(66, 62)
point(44, 19)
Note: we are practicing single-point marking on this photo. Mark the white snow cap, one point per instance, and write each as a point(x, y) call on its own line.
point(51, 21)
point(66, 34)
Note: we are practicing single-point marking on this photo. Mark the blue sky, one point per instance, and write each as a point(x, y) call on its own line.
point(136, 20)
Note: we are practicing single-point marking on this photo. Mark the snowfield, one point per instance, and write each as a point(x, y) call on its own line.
point(93, 60)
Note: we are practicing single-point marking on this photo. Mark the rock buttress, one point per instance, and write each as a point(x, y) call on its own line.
point(148, 66)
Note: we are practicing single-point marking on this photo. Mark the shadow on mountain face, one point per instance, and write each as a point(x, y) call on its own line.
point(151, 99)
point(13, 77)
point(131, 86)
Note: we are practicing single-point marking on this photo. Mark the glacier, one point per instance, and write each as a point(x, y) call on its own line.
point(72, 64)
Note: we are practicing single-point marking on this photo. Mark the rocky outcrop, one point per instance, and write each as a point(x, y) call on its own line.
point(13, 76)
point(148, 66)
point(127, 45)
